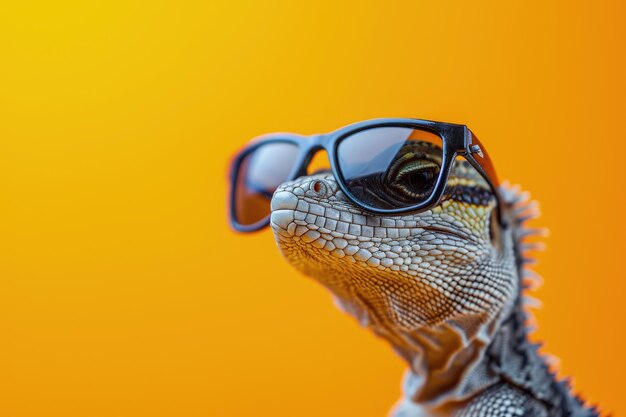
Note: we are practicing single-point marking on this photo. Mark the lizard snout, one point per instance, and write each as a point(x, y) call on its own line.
point(283, 205)
point(284, 200)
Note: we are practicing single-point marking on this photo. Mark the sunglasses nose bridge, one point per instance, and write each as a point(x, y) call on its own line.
point(317, 140)
point(317, 157)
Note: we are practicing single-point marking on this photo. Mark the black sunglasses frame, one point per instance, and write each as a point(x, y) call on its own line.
point(457, 140)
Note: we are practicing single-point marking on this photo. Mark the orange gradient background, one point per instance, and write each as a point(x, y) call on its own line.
point(124, 293)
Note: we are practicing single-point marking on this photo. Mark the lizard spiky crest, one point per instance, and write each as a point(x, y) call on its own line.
point(554, 391)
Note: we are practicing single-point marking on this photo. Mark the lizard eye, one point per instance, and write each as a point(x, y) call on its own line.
point(414, 178)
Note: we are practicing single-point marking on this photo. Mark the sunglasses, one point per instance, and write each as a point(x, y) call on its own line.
point(384, 166)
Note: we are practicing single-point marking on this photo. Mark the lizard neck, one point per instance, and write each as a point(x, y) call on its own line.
point(448, 363)
point(451, 363)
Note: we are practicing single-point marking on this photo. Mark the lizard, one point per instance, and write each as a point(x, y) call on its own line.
point(445, 287)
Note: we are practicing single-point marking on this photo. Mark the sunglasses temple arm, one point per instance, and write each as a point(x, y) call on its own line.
point(477, 155)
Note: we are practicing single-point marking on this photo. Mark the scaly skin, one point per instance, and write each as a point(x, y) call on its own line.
point(442, 286)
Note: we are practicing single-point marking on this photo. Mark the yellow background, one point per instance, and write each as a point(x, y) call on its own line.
point(124, 293)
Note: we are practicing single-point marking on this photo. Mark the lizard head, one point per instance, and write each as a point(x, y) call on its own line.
point(403, 272)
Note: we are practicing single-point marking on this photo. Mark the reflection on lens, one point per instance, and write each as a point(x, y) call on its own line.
point(390, 167)
point(260, 173)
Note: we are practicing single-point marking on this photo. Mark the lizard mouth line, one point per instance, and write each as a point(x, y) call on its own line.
point(447, 231)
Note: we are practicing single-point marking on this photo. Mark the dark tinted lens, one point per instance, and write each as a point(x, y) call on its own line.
point(390, 167)
point(260, 173)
